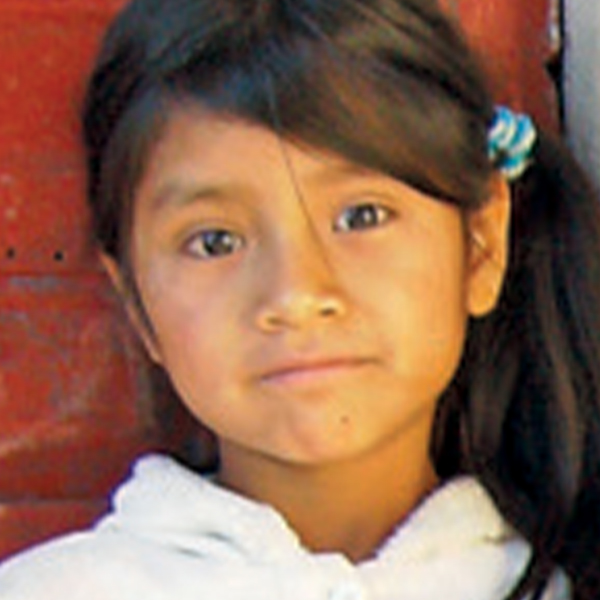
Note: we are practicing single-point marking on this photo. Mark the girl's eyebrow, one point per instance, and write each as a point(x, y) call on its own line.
point(351, 174)
point(181, 193)
point(177, 194)
point(335, 172)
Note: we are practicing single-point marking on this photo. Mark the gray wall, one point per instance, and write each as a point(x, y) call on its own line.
point(582, 82)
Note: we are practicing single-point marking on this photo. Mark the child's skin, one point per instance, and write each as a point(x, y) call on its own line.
point(315, 336)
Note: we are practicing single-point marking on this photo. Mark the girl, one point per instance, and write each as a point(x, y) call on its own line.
point(378, 290)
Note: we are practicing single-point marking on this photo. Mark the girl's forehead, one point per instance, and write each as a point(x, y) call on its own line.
point(201, 143)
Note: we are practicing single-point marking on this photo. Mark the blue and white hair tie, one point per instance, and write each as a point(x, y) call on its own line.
point(511, 138)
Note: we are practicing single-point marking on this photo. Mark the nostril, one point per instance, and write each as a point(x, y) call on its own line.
point(331, 306)
point(271, 320)
point(328, 311)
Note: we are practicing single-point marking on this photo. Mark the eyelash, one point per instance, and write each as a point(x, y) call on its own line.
point(218, 243)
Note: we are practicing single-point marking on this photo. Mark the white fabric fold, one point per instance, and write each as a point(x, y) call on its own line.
point(174, 535)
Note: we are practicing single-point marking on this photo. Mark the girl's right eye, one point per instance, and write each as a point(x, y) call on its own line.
point(212, 243)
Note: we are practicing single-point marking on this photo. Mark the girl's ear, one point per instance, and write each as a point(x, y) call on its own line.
point(488, 239)
point(132, 306)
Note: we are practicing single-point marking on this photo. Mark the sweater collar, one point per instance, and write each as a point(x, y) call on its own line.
point(456, 530)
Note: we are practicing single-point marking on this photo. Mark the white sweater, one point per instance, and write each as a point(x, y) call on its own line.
point(174, 535)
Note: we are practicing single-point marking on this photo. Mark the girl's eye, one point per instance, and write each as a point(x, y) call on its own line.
point(363, 216)
point(213, 243)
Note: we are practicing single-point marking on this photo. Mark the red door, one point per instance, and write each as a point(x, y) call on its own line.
point(75, 406)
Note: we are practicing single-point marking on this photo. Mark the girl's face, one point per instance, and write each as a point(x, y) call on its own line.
point(307, 310)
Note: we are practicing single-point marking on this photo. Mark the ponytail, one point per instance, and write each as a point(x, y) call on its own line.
point(523, 415)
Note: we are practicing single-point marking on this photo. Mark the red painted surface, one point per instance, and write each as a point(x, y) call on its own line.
point(75, 401)
point(518, 40)
point(72, 382)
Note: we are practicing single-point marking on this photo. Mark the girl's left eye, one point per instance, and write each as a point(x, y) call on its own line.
point(363, 216)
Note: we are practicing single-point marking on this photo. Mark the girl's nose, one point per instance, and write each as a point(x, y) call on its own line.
point(300, 289)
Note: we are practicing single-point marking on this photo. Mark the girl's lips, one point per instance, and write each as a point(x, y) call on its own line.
point(312, 370)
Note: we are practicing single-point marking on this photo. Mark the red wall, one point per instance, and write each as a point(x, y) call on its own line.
point(75, 406)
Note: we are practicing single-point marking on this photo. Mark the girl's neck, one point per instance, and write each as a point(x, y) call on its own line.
point(349, 507)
